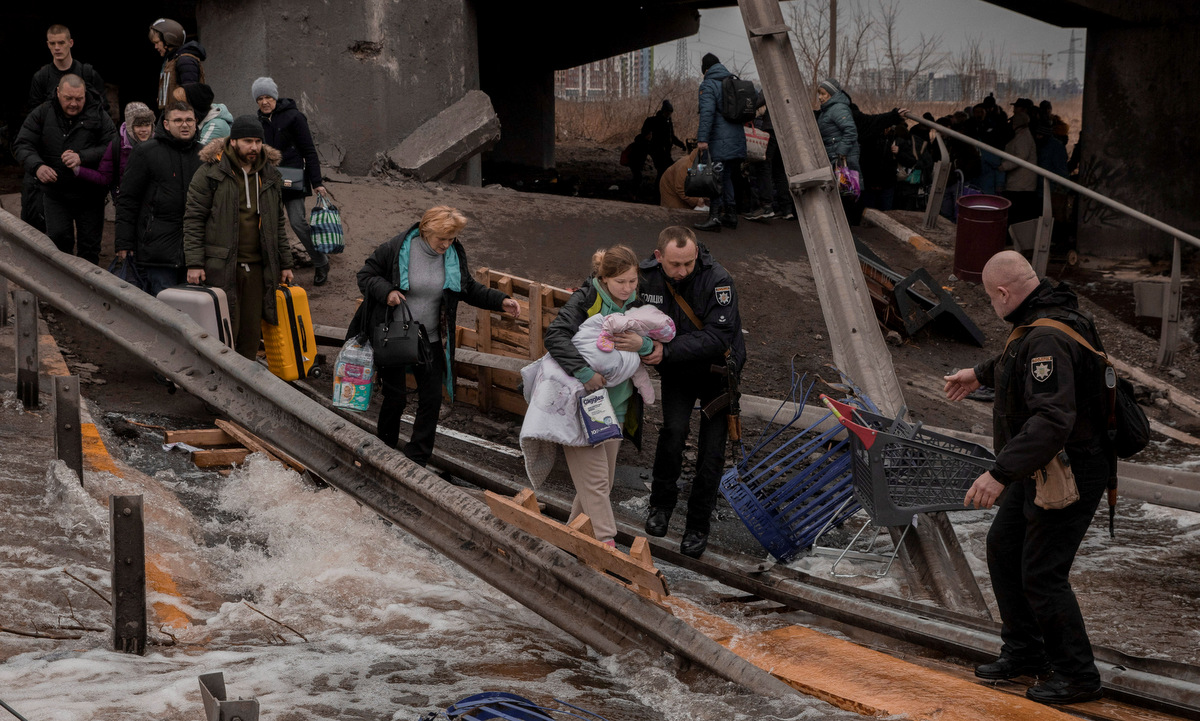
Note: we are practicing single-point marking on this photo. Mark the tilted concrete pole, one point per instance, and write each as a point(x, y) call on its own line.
point(930, 554)
point(858, 346)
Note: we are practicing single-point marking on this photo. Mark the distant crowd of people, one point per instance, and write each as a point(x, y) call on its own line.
point(199, 194)
point(892, 158)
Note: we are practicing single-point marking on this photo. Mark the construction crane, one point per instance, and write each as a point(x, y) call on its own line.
point(1042, 61)
point(1071, 52)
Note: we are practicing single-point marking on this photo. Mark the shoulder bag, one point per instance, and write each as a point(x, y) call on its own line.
point(399, 340)
point(702, 180)
point(1128, 427)
point(293, 179)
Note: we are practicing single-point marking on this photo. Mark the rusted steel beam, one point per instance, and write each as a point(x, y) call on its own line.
point(68, 437)
point(128, 574)
point(27, 348)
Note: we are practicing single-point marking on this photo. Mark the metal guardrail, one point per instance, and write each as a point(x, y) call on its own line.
point(548, 581)
point(1172, 293)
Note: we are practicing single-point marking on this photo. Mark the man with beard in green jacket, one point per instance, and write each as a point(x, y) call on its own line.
point(233, 229)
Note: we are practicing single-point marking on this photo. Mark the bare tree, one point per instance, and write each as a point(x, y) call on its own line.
point(902, 60)
point(978, 69)
point(855, 44)
point(810, 24)
point(809, 20)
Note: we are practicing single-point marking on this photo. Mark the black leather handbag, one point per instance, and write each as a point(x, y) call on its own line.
point(399, 340)
point(293, 179)
point(703, 179)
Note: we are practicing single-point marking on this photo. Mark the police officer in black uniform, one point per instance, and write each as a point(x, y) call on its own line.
point(684, 281)
point(1050, 396)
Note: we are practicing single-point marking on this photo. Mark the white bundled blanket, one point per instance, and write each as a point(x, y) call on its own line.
point(553, 396)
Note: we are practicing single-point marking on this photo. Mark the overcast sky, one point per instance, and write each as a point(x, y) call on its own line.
point(722, 33)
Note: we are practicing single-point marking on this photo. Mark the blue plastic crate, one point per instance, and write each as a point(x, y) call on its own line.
point(793, 484)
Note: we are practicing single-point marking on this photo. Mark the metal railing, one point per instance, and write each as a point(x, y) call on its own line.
point(1172, 295)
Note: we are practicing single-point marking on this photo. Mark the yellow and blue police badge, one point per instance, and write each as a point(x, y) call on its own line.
point(724, 294)
point(1041, 368)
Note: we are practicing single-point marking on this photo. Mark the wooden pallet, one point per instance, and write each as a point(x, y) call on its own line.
point(634, 569)
point(228, 445)
point(499, 334)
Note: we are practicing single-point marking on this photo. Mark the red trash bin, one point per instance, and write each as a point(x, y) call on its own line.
point(982, 229)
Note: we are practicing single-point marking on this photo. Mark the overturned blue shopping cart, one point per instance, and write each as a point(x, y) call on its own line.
point(802, 479)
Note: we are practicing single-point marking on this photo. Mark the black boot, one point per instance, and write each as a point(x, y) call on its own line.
point(713, 224)
point(657, 521)
point(1007, 667)
point(693, 543)
point(1059, 690)
point(729, 218)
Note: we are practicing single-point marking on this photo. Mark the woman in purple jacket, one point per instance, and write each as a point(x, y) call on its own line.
point(137, 128)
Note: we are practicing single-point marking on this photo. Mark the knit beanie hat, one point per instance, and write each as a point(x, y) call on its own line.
point(830, 86)
point(264, 86)
point(667, 106)
point(246, 126)
point(707, 62)
point(138, 114)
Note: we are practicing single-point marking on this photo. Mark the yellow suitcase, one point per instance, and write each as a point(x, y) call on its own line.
point(291, 345)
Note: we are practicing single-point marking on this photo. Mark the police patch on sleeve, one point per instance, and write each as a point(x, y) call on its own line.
point(1041, 368)
point(724, 294)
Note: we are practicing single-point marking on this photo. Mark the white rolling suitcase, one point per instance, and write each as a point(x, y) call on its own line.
point(207, 306)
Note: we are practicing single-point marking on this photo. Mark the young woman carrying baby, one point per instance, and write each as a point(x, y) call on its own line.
point(611, 288)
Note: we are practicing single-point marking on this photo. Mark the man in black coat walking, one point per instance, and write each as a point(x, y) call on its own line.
point(154, 196)
point(683, 281)
point(58, 137)
point(42, 88)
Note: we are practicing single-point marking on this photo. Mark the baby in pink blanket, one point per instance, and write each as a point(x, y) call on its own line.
point(646, 321)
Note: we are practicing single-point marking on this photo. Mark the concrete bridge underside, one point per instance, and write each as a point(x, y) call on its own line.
point(368, 73)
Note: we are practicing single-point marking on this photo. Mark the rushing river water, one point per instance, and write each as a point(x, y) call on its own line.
point(393, 629)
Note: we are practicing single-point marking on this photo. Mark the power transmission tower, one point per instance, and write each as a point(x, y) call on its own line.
point(1071, 52)
point(681, 57)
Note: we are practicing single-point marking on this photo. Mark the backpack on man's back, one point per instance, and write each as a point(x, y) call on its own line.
point(738, 100)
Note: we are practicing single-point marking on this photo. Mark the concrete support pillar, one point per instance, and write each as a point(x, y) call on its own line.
point(1141, 134)
point(525, 104)
point(366, 74)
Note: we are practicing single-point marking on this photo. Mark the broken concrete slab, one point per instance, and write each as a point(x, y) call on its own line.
point(450, 138)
